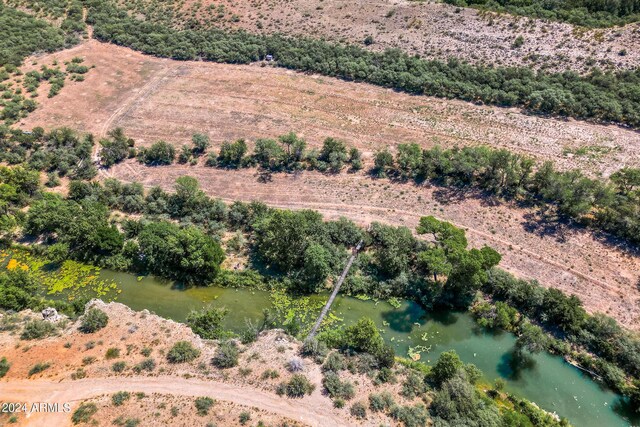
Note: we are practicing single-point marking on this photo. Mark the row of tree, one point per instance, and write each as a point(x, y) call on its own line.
point(612, 206)
point(605, 97)
point(588, 13)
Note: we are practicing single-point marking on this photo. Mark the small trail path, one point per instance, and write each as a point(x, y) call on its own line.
point(314, 410)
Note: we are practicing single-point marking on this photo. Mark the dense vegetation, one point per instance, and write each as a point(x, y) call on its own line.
point(610, 97)
point(179, 235)
point(579, 12)
point(22, 34)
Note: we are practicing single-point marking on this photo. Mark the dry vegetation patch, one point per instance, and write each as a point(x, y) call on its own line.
point(429, 29)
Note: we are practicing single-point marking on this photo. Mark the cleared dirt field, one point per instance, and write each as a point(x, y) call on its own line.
point(160, 99)
point(430, 29)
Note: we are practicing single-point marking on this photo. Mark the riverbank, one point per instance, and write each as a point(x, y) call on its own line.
point(80, 368)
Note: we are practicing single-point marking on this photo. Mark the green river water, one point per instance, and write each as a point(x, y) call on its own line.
point(545, 379)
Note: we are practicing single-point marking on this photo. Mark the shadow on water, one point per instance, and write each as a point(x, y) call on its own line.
point(514, 364)
point(445, 318)
point(403, 320)
point(623, 408)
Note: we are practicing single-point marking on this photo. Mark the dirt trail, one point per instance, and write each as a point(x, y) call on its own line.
point(312, 410)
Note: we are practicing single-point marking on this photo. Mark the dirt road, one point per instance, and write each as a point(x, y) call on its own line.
point(312, 410)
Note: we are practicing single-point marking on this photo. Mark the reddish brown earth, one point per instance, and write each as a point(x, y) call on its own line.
point(161, 99)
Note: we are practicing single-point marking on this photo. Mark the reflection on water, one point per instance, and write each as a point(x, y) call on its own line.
point(547, 380)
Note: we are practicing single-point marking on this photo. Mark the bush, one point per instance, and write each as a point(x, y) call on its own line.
point(411, 416)
point(334, 363)
point(84, 413)
point(359, 410)
point(93, 321)
point(298, 386)
point(112, 353)
point(226, 355)
point(336, 388)
point(36, 329)
point(37, 368)
point(4, 367)
point(160, 153)
point(146, 365)
point(446, 367)
point(120, 397)
point(119, 367)
point(182, 352)
point(207, 323)
point(381, 402)
point(244, 417)
point(311, 347)
point(203, 404)
point(413, 385)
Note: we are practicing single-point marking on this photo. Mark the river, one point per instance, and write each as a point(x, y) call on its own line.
point(542, 378)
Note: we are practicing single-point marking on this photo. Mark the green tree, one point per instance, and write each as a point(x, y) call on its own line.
point(446, 367)
point(207, 323)
point(200, 143)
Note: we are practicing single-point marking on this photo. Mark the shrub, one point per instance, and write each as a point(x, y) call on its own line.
point(37, 368)
point(298, 386)
point(84, 413)
point(120, 397)
point(160, 153)
point(339, 403)
point(411, 416)
point(4, 367)
point(226, 355)
point(93, 321)
point(296, 364)
point(269, 374)
point(381, 402)
point(413, 385)
point(311, 347)
point(112, 353)
point(207, 323)
point(146, 365)
point(359, 410)
point(244, 418)
point(203, 404)
point(36, 329)
point(119, 367)
point(336, 388)
point(182, 352)
point(334, 363)
point(446, 367)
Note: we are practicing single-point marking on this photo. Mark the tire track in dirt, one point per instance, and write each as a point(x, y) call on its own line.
point(129, 105)
point(314, 410)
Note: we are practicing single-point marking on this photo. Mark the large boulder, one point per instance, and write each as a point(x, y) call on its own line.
point(50, 314)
